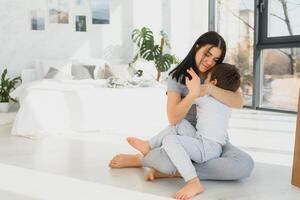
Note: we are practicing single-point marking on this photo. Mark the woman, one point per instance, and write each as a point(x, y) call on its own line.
point(208, 50)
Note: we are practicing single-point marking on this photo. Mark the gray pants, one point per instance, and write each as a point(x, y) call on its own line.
point(183, 145)
point(233, 164)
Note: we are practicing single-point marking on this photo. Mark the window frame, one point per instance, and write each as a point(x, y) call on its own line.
point(265, 42)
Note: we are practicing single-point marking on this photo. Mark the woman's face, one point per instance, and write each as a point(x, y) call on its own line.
point(206, 58)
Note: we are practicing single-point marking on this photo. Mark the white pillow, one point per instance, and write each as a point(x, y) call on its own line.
point(100, 65)
point(63, 66)
point(120, 71)
point(54, 73)
point(80, 72)
point(149, 70)
point(105, 73)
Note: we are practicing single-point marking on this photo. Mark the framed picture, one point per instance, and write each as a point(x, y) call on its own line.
point(58, 11)
point(37, 19)
point(100, 11)
point(80, 22)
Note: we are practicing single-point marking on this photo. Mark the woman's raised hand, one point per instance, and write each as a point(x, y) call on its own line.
point(193, 85)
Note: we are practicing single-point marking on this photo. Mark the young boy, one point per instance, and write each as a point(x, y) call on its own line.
point(184, 144)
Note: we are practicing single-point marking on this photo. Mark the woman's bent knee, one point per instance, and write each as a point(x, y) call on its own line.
point(159, 160)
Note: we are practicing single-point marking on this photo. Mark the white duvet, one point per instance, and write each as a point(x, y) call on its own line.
point(58, 107)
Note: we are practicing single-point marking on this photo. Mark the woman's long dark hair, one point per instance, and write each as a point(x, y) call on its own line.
point(210, 38)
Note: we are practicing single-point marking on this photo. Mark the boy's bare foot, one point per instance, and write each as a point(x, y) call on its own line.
point(153, 174)
point(150, 176)
point(125, 160)
point(192, 188)
point(140, 145)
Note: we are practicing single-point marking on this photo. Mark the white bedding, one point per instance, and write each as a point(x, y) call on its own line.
point(57, 107)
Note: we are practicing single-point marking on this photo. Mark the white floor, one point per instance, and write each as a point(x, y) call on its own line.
point(75, 166)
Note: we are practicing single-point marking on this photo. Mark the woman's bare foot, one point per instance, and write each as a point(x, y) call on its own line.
point(125, 160)
point(153, 174)
point(192, 188)
point(140, 145)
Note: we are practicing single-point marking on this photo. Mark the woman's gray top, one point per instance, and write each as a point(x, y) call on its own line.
point(174, 86)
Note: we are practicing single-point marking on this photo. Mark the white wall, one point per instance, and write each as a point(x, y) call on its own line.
point(183, 20)
point(189, 19)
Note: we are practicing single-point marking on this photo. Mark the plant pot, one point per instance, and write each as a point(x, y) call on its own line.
point(4, 106)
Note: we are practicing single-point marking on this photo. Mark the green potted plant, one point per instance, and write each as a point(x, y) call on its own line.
point(6, 86)
point(148, 50)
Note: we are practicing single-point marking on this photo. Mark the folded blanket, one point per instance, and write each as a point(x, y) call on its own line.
point(115, 82)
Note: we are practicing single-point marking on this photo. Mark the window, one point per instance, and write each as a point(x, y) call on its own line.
point(283, 18)
point(279, 53)
point(235, 22)
point(280, 84)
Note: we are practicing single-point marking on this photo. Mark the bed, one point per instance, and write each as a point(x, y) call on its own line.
point(51, 106)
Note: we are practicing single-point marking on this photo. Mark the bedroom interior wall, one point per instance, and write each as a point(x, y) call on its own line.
point(20, 46)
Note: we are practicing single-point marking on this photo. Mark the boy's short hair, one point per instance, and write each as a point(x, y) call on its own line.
point(227, 75)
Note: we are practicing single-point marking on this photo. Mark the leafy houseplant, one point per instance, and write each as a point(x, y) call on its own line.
point(148, 50)
point(6, 86)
